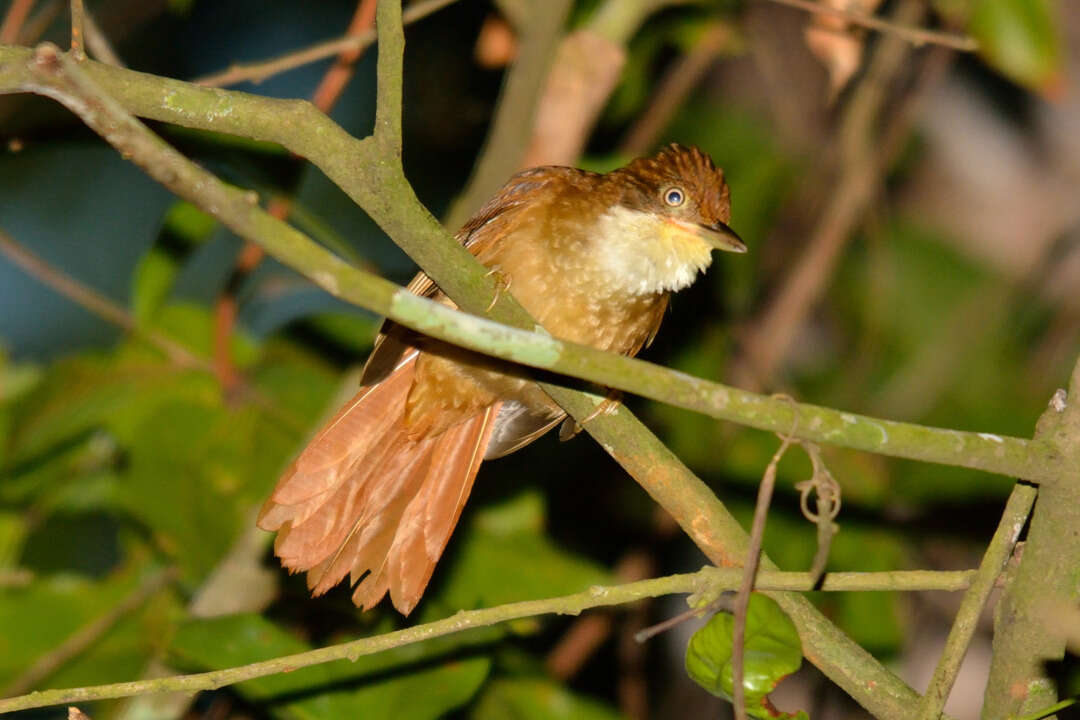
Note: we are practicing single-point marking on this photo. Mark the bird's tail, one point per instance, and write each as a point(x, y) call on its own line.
point(369, 500)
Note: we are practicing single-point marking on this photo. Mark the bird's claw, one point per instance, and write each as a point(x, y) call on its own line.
point(502, 284)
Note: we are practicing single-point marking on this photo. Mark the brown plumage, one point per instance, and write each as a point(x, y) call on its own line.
point(377, 492)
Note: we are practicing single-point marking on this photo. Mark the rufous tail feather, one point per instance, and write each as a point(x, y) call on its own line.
point(369, 500)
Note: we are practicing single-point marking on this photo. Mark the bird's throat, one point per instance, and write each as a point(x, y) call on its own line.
point(640, 253)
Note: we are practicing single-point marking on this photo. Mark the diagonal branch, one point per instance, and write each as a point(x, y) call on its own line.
point(967, 617)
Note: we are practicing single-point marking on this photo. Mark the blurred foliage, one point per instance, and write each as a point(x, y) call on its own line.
point(1022, 40)
point(116, 462)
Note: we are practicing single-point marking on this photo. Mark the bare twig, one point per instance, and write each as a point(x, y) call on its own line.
point(333, 83)
point(40, 21)
point(260, 71)
point(750, 568)
point(512, 125)
point(915, 35)
point(587, 634)
point(93, 301)
point(98, 44)
point(994, 560)
point(675, 86)
point(827, 506)
point(13, 20)
point(337, 77)
point(88, 634)
point(78, 35)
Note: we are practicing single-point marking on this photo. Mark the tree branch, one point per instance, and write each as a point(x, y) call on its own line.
point(713, 579)
point(452, 268)
point(1025, 643)
point(967, 617)
point(94, 302)
point(257, 72)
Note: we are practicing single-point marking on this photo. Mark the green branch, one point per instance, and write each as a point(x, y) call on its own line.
point(711, 580)
point(967, 617)
point(1027, 645)
point(381, 189)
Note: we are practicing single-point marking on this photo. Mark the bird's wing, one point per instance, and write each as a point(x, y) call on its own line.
point(478, 235)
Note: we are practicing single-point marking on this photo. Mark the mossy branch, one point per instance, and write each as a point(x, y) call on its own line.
point(377, 183)
point(710, 580)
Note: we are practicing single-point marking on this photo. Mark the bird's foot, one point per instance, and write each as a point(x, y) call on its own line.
point(502, 284)
point(608, 406)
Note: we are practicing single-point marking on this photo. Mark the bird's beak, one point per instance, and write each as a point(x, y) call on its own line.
point(721, 237)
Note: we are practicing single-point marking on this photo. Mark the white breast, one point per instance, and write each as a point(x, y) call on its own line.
point(637, 253)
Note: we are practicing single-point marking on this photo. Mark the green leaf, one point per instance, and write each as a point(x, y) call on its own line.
point(506, 557)
point(189, 222)
point(772, 651)
point(153, 281)
point(1021, 39)
point(537, 699)
point(410, 683)
point(37, 618)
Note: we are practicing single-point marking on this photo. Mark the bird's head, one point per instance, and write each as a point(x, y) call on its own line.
point(668, 212)
point(681, 186)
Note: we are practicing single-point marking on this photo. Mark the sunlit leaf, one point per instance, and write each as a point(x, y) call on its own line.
point(772, 651)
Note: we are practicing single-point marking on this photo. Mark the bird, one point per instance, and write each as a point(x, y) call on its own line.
point(593, 258)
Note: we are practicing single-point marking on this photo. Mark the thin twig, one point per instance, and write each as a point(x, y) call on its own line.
point(674, 87)
point(98, 43)
point(994, 560)
point(512, 125)
point(338, 75)
point(331, 86)
point(78, 34)
point(40, 21)
point(915, 35)
point(88, 634)
point(750, 568)
point(827, 506)
point(724, 603)
point(93, 301)
point(259, 71)
point(13, 21)
point(597, 596)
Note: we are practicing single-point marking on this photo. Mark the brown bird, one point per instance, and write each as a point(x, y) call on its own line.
point(593, 258)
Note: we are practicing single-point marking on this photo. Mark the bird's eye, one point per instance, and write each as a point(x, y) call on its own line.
point(674, 196)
